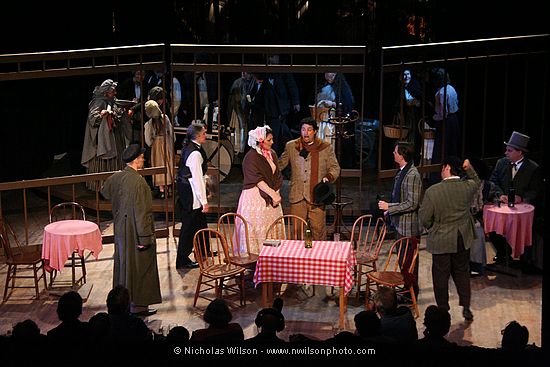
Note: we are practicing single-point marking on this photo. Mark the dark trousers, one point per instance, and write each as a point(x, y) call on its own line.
point(456, 265)
point(191, 222)
point(415, 241)
point(502, 247)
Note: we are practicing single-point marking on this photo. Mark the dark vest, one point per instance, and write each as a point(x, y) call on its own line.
point(185, 191)
point(184, 172)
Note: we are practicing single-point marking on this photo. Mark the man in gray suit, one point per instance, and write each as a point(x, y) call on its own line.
point(445, 213)
point(405, 199)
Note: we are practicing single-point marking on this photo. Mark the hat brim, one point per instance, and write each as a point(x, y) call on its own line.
point(523, 149)
point(327, 197)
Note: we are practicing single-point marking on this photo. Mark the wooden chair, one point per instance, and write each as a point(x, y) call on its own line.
point(63, 211)
point(25, 260)
point(287, 227)
point(215, 267)
point(367, 236)
point(399, 264)
point(227, 226)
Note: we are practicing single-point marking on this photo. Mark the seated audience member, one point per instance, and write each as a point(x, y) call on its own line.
point(369, 327)
point(100, 327)
point(438, 322)
point(220, 329)
point(71, 329)
point(178, 335)
point(124, 326)
point(26, 331)
point(397, 323)
point(515, 337)
point(270, 321)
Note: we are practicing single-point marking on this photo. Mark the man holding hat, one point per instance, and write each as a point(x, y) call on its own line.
point(515, 171)
point(312, 161)
point(135, 256)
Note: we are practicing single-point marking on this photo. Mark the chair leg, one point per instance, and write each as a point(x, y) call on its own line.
point(368, 306)
point(359, 275)
point(243, 299)
point(83, 264)
point(7, 282)
point(199, 282)
point(44, 275)
point(53, 275)
point(73, 271)
point(413, 298)
point(35, 271)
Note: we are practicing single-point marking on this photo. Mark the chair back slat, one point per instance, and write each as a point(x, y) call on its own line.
point(402, 253)
point(367, 237)
point(67, 210)
point(287, 227)
point(206, 239)
point(227, 226)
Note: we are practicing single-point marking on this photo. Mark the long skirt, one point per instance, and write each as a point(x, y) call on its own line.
point(98, 164)
point(259, 217)
point(158, 151)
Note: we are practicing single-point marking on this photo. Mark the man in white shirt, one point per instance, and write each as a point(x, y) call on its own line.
point(192, 192)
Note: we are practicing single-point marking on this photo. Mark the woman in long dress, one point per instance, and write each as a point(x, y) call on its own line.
point(107, 128)
point(159, 135)
point(260, 201)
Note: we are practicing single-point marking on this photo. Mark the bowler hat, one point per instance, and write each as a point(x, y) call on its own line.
point(132, 152)
point(518, 141)
point(323, 194)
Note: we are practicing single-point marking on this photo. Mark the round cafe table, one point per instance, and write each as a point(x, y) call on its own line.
point(514, 223)
point(64, 237)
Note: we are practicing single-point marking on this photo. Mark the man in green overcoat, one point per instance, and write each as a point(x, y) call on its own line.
point(135, 255)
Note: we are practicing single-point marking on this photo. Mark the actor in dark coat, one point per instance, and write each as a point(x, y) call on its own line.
point(135, 256)
point(524, 176)
point(445, 213)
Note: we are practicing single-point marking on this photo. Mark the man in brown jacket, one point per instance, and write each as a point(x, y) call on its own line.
point(311, 161)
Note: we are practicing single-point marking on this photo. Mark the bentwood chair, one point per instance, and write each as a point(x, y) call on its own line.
point(398, 271)
point(367, 236)
point(64, 211)
point(19, 260)
point(230, 225)
point(287, 227)
point(211, 252)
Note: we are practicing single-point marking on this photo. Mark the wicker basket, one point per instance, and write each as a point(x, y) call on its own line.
point(427, 133)
point(395, 131)
point(319, 113)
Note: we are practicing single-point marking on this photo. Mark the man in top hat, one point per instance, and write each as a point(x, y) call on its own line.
point(135, 256)
point(311, 160)
point(515, 171)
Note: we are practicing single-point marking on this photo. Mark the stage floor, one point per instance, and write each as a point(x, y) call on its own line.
point(496, 300)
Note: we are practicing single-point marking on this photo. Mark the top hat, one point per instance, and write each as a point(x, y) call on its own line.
point(132, 152)
point(518, 141)
point(323, 194)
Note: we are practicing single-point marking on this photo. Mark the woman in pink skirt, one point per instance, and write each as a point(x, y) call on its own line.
point(260, 201)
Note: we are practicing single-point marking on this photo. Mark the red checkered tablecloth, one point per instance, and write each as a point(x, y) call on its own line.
point(327, 263)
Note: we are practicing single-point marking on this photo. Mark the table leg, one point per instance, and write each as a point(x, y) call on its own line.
point(267, 293)
point(343, 308)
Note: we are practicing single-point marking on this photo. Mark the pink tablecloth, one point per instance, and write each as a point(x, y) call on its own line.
point(64, 237)
point(327, 263)
point(515, 224)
